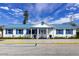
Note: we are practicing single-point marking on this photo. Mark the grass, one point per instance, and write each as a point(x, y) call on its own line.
point(66, 43)
point(17, 43)
point(38, 43)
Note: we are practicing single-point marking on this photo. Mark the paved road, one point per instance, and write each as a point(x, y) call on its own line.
point(39, 50)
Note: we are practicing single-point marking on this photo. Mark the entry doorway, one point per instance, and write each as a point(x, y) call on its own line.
point(34, 33)
point(42, 33)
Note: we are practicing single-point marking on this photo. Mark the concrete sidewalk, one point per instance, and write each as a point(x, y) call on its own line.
point(40, 41)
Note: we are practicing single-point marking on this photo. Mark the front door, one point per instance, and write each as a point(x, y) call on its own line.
point(42, 33)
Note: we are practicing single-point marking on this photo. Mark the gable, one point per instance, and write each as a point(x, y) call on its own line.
point(41, 25)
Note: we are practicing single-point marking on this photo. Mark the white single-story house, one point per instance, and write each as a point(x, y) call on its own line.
point(40, 30)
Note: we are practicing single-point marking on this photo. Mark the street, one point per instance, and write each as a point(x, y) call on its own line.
point(39, 50)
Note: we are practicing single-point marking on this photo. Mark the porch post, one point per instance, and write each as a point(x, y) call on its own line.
point(14, 32)
point(47, 33)
point(31, 32)
point(37, 33)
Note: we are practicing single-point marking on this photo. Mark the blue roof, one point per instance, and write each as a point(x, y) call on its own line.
point(64, 26)
point(18, 26)
point(56, 26)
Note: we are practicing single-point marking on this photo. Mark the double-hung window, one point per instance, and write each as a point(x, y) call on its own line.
point(9, 31)
point(19, 31)
point(28, 31)
point(59, 31)
point(69, 31)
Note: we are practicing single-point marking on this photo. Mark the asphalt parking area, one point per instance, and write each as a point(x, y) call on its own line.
point(39, 50)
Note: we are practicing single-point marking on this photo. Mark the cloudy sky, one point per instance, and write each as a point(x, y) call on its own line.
point(55, 13)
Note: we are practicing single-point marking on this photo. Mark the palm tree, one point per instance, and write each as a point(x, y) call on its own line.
point(25, 17)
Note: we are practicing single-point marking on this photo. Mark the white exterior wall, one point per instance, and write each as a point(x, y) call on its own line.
point(14, 33)
point(19, 35)
point(71, 35)
point(6, 35)
point(59, 35)
point(50, 32)
point(53, 33)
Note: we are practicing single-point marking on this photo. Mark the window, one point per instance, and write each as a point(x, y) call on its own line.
point(9, 31)
point(69, 31)
point(19, 31)
point(59, 31)
point(28, 31)
point(34, 31)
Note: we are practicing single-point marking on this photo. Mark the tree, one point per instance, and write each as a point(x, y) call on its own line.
point(25, 17)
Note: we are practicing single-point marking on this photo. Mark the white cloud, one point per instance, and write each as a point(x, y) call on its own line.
point(76, 4)
point(67, 19)
point(61, 20)
point(48, 19)
point(71, 8)
point(5, 8)
point(17, 14)
point(15, 22)
point(46, 7)
point(17, 10)
point(40, 7)
point(36, 21)
point(76, 16)
point(33, 21)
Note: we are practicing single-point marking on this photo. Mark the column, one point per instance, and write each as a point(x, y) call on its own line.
point(31, 32)
point(14, 32)
point(37, 33)
point(65, 35)
point(4, 32)
point(24, 32)
point(74, 32)
point(53, 33)
point(47, 33)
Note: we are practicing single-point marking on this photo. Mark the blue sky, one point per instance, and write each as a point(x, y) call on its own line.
point(55, 13)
